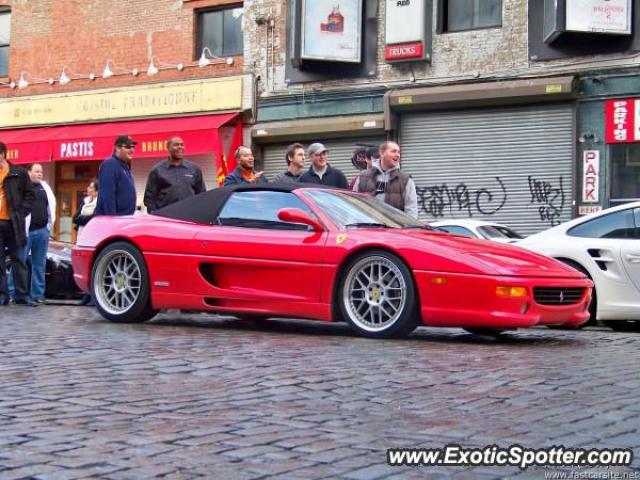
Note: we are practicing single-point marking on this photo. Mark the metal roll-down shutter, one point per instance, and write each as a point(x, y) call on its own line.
point(511, 165)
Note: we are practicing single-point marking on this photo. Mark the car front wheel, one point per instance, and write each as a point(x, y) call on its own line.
point(120, 284)
point(377, 295)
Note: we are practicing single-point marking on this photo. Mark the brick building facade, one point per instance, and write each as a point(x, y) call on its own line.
point(93, 70)
point(500, 111)
point(494, 112)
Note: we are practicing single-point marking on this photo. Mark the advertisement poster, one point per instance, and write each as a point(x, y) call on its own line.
point(405, 30)
point(599, 16)
point(332, 30)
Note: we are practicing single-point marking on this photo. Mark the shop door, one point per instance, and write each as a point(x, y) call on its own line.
point(340, 153)
point(72, 179)
point(69, 198)
point(510, 165)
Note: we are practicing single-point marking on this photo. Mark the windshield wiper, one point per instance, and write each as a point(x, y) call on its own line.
point(366, 225)
point(421, 227)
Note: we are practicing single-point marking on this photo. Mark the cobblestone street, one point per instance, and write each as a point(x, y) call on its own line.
point(189, 396)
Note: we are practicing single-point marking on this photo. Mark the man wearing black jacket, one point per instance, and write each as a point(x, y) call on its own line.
point(320, 171)
point(16, 198)
point(172, 179)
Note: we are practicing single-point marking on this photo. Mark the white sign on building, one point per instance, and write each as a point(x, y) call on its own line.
point(590, 176)
point(599, 16)
point(405, 30)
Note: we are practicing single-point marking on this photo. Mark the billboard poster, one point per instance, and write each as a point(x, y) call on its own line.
point(332, 30)
point(405, 30)
point(599, 16)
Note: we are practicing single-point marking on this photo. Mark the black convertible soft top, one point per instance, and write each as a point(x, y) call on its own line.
point(204, 207)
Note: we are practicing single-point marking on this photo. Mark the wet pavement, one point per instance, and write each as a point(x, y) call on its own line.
point(201, 396)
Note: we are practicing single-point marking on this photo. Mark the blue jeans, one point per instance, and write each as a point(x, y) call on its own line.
point(37, 245)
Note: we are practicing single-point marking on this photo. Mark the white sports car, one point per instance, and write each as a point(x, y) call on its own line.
point(606, 247)
point(478, 229)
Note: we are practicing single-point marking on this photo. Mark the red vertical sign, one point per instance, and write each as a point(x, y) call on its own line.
point(621, 120)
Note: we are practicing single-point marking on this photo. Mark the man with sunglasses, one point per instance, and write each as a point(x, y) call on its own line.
point(117, 194)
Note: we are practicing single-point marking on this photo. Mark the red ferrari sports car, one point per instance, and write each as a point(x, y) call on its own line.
point(307, 252)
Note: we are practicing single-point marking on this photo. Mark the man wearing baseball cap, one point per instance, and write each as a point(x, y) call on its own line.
point(320, 171)
point(117, 194)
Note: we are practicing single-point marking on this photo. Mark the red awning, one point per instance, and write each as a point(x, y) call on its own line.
point(95, 141)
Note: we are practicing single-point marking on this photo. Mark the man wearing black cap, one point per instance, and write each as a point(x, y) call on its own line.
point(117, 194)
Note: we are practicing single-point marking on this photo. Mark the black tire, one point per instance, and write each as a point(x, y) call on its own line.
point(623, 325)
point(359, 305)
point(253, 317)
point(122, 294)
point(593, 306)
point(485, 332)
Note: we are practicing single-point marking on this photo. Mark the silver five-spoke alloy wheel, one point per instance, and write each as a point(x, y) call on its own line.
point(117, 282)
point(374, 293)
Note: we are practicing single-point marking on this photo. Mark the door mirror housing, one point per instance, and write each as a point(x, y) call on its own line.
point(295, 215)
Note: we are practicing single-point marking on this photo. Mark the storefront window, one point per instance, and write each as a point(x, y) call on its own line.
point(220, 31)
point(5, 34)
point(625, 173)
point(459, 15)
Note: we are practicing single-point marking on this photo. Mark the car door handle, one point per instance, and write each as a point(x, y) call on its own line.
point(632, 257)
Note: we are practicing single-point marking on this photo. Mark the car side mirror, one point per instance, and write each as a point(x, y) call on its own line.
point(295, 215)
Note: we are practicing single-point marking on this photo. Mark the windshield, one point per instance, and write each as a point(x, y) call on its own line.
point(495, 231)
point(349, 210)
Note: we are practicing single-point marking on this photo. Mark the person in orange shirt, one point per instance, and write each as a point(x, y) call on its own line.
point(16, 198)
point(244, 172)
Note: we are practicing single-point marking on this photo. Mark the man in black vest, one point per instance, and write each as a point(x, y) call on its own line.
point(387, 183)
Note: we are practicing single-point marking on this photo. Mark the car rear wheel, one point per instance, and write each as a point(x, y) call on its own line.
point(120, 284)
point(377, 295)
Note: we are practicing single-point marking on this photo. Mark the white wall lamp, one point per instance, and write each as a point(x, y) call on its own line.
point(66, 78)
point(24, 83)
point(153, 69)
point(109, 68)
point(206, 60)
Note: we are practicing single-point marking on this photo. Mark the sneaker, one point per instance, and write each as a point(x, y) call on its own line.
point(26, 303)
point(40, 301)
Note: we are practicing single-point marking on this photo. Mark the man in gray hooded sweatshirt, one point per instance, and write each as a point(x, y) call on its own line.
point(387, 183)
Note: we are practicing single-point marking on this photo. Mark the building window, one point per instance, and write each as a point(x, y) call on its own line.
point(458, 15)
point(5, 34)
point(220, 30)
point(625, 173)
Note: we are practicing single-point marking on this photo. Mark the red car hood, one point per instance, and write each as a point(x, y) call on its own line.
point(491, 258)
